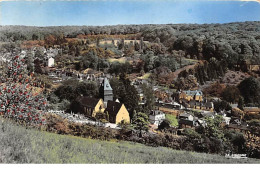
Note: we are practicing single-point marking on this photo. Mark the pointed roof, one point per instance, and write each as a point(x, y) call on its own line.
point(106, 84)
point(112, 109)
point(88, 101)
point(193, 92)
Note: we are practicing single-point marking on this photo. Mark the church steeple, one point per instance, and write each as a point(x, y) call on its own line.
point(106, 91)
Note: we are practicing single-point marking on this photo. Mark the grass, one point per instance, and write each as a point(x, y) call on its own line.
point(146, 76)
point(173, 120)
point(21, 145)
point(120, 60)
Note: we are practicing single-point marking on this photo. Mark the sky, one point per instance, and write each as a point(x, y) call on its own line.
point(113, 12)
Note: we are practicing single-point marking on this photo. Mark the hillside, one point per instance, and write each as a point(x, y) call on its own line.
point(21, 145)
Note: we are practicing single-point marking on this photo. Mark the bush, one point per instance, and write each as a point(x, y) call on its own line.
point(237, 140)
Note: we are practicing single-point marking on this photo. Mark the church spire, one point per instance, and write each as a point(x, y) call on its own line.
point(106, 91)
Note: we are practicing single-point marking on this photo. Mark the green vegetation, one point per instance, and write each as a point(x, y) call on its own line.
point(125, 92)
point(21, 145)
point(172, 119)
point(250, 90)
point(140, 122)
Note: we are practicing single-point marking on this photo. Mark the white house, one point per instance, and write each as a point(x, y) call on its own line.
point(51, 62)
point(156, 117)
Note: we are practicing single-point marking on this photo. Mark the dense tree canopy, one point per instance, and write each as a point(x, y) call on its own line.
point(250, 90)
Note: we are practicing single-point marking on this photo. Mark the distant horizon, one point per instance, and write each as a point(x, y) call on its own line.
point(108, 13)
point(127, 24)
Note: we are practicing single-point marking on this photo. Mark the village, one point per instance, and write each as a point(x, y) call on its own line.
point(189, 108)
point(132, 88)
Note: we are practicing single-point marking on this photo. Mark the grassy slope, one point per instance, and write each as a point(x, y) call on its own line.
point(173, 120)
point(20, 145)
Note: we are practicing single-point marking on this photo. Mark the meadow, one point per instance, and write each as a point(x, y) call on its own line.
point(24, 145)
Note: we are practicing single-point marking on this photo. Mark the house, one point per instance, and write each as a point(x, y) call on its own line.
point(156, 117)
point(191, 95)
point(117, 112)
point(207, 114)
point(89, 106)
point(239, 127)
point(171, 108)
point(50, 62)
point(226, 120)
point(252, 110)
point(194, 104)
point(187, 120)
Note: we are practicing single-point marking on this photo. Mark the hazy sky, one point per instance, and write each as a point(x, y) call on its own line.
point(125, 12)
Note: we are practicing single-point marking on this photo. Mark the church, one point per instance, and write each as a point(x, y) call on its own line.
point(115, 111)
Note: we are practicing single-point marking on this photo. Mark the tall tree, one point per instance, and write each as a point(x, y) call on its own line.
point(250, 90)
point(149, 97)
point(140, 122)
point(126, 93)
point(240, 103)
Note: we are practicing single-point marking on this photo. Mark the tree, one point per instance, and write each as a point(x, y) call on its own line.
point(50, 40)
point(254, 125)
point(213, 127)
point(164, 125)
point(250, 90)
point(126, 93)
point(39, 54)
point(98, 42)
point(231, 94)
point(140, 122)
point(30, 62)
point(149, 97)
point(71, 89)
point(240, 103)
point(237, 140)
point(221, 105)
point(17, 97)
point(90, 60)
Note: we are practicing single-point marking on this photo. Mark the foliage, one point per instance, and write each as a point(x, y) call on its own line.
point(213, 127)
point(255, 126)
point(125, 92)
point(18, 98)
point(149, 97)
point(231, 94)
point(192, 133)
point(238, 141)
point(71, 89)
point(250, 90)
point(214, 90)
point(120, 68)
point(166, 124)
point(240, 104)
point(189, 82)
point(21, 145)
point(140, 122)
point(103, 117)
point(221, 105)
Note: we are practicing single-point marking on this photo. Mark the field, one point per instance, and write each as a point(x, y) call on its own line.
point(120, 60)
point(21, 145)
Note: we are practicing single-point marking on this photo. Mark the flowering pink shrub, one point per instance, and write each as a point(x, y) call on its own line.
point(17, 99)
